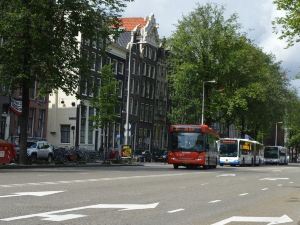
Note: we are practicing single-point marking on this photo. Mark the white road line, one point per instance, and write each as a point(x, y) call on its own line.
point(176, 210)
point(52, 215)
point(227, 175)
point(204, 184)
point(291, 182)
point(265, 189)
point(214, 201)
point(279, 185)
point(243, 194)
point(96, 180)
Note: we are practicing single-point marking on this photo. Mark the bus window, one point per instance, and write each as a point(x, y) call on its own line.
point(228, 148)
point(271, 152)
point(245, 148)
point(187, 141)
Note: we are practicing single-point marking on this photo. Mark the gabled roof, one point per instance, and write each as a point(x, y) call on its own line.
point(130, 23)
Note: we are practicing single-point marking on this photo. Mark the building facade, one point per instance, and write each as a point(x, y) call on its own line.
point(69, 121)
point(148, 84)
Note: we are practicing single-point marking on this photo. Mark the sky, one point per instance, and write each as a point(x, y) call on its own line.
point(255, 17)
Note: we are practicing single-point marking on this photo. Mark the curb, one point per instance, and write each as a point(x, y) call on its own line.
point(77, 165)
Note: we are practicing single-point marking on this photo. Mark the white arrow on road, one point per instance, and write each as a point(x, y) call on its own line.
point(270, 220)
point(36, 194)
point(274, 178)
point(227, 175)
point(52, 215)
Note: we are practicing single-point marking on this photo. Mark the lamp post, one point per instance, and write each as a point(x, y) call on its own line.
point(128, 91)
point(203, 97)
point(276, 132)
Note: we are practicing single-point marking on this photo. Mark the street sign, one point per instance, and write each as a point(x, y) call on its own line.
point(270, 220)
point(36, 194)
point(59, 215)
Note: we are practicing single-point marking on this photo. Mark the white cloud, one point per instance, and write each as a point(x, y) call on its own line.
point(255, 16)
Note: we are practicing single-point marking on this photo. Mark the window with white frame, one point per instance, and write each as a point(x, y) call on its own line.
point(90, 86)
point(64, 133)
point(120, 88)
point(144, 69)
point(90, 126)
point(93, 61)
point(121, 68)
point(114, 66)
point(131, 106)
point(133, 66)
point(83, 124)
point(142, 111)
point(99, 60)
point(132, 86)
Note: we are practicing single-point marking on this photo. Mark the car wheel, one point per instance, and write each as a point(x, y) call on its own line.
point(175, 166)
point(33, 157)
point(50, 159)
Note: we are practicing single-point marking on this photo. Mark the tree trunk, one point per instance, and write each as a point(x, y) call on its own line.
point(25, 86)
point(24, 123)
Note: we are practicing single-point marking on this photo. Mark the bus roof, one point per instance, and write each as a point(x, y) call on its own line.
point(192, 128)
point(240, 139)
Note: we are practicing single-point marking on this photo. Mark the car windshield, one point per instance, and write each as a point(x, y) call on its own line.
point(228, 148)
point(31, 145)
point(271, 152)
point(187, 141)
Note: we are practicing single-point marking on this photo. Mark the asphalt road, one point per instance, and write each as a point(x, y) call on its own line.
point(154, 194)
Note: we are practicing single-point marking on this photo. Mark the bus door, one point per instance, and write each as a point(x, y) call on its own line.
point(246, 152)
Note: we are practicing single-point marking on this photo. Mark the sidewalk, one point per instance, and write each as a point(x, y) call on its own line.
point(98, 163)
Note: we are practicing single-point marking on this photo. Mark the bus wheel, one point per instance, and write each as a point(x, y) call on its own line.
point(175, 166)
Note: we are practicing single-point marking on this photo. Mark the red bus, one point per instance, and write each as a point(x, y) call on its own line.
point(192, 146)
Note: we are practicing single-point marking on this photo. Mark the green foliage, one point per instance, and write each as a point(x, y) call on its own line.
point(251, 90)
point(41, 43)
point(41, 40)
point(290, 22)
point(106, 101)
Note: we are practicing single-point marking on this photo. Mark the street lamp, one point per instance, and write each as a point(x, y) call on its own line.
point(128, 90)
point(203, 97)
point(276, 132)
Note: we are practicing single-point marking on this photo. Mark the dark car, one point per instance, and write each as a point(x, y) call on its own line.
point(146, 156)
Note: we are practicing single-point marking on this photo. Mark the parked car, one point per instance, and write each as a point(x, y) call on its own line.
point(146, 156)
point(40, 150)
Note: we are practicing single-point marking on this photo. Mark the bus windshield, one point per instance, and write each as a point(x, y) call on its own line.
point(184, 141)
point(228, 148)
point(271, 152)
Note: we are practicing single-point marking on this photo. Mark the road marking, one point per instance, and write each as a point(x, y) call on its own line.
point(59, 218)
point(243, 194)
point(176, 210)
point(204, 184)
point(270, 220)
point(291, 182)
point(97, 179)
point(273, 179)
point(52, 215)
point(265, 189)
point(214, 201)
point(227, 175)
point(279, 185)
point(36, 194)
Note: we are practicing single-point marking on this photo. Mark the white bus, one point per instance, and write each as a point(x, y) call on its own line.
point(240, 152)
point(276, 155)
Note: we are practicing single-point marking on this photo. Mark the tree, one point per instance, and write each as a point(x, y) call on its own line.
point(41, 44)
point(200, 50)
point(290, 22)
point(106, 102)
point(206, 47)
